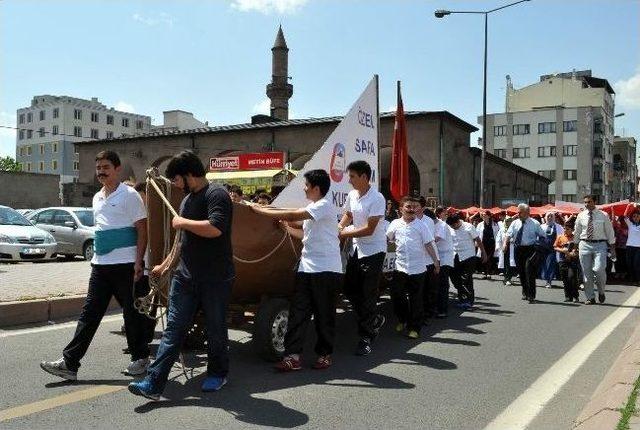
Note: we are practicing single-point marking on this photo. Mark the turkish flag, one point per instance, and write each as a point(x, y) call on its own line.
point(399, 182)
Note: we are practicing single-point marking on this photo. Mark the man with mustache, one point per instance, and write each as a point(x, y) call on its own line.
point(120, 244)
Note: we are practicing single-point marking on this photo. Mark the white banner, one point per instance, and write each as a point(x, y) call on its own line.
point(355, 138)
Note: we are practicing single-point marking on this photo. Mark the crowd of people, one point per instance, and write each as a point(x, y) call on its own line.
point(341, 252)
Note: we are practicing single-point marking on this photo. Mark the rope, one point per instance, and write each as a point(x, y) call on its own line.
point(284, 237)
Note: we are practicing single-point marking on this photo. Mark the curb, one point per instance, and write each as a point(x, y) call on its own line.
point(43, 310)
point(602, 410)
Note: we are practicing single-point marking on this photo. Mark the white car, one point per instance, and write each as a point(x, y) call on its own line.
point(22, 241)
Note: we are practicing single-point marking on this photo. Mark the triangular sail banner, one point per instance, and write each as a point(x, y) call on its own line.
point(355, 138)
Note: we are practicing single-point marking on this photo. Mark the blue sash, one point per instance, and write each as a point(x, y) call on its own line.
point(109, 240)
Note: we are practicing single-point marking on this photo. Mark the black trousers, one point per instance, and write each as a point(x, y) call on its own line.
point(406, 295)
point(142, 288)
point(569, 273)
point(527, 263)
point(462, 278)
point(506, 257)
point(315, 295)
point(633, 263)
point(105, 282)
point(361, 280)
point(443, 290)
point(489, 267)
point(430, 291)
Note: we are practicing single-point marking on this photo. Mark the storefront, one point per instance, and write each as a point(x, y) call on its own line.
point(272, 180)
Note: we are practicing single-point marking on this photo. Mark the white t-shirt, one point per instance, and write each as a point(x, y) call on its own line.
point(432, 229)
point(463, 240)
point(410, 239)
point(320, 243)
point(445, 243)
point(633, 237)
point(371, 204)
point(122, 208)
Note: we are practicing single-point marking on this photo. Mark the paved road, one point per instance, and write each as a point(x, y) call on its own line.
point(463, 373)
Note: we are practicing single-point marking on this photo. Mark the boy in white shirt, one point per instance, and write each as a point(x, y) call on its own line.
point(319, 274)
point(444, 242)
point(413, 242)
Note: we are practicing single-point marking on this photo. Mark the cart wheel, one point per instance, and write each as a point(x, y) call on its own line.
point(270, 327)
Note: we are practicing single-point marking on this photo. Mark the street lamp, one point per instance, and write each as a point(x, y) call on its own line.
point(441, 13)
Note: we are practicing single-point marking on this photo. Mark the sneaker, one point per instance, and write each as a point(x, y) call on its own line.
point(532, 301)
point(378, 322)
point(400, 327)
point(364, 347)
point(144, 388)
point(548, 285)
point(137, 367)
point(213, 383)
point(581, 287)
point(288, 364)
point(59, 368)
point(413, 334)
point(323, 362)
point(601, 298)
point(590, 302)
point(567, 300)
point(488, 277)
point(508, 284)
point(525, 298)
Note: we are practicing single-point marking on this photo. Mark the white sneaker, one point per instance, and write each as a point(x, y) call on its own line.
point(508, 284)
point(548, 285)
point(59, 368)
point(581, 287)
point(137, 367)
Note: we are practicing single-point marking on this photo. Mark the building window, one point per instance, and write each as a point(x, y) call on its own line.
point(520, 152)
point(28, 167)
point(21, 118)
point(76, 166)
point(569, 125)
point(125, 122)
point(21, 151)
point(569, 198)
point(41, 149)
point(549, 174)
point(77, 114)
point(109, 134)
point(597, 175)
point(547, 151)
point(75, 149)
point(54, 130)
point(41, 166)
point(56, 112)
point(110, 119)
point(29, 117)
point(520, 129)
point(569, 175)
point(54, 164)
point(546, 127)
point(499, 130)
point(54, 147)
point(570, 150)
point(139, 124)
point(29, 134)
point(21, 134)
point(502, 153)
point(42, 115)
point(41, 132)
point(552, 198)
point(29, 150)
point(77, 131)
point(94, 117)
point(94, 133)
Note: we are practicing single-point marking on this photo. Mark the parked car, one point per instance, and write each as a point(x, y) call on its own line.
point(73, 228)
point(22, 241)
point(24, 212)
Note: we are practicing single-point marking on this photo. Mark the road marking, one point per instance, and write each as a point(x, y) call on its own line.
point(519, 414)
point(54, 402)
point(10, 333)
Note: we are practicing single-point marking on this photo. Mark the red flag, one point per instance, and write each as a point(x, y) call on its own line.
point(399, 182)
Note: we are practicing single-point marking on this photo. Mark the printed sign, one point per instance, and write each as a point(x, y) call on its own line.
point(249, 161)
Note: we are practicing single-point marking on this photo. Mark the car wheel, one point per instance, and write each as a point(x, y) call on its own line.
point(87, 250)
point(270, 328)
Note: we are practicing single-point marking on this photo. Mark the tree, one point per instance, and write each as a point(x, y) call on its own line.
point(9, 164)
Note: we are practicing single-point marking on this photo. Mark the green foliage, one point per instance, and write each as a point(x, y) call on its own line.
point(9, 164)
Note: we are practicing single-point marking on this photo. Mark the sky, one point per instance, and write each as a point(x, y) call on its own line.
point(213, 58)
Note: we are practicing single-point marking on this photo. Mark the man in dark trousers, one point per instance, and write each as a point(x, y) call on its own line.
point(203, 278)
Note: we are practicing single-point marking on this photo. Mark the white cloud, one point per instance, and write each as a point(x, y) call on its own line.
point(124, 107)
point(268, 6)
point(262, 107)
point(628, 91)
point(161, 18)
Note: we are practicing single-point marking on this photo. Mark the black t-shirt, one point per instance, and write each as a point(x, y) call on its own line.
point(202, 258)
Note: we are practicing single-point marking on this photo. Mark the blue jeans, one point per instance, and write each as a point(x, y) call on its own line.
point(549, 267)
point(185, 298)
point(593, 259)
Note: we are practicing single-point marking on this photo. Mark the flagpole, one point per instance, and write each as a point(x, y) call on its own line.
point(378, 178)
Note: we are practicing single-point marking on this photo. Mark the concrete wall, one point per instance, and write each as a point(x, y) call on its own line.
point(21, 190)
point(558, 92)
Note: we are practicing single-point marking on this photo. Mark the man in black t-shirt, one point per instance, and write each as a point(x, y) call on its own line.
point(203, 278)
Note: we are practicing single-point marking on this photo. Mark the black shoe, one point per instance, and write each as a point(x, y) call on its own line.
point(364, 347)
point(532, 301)
point(601, 298)
point(378, 322)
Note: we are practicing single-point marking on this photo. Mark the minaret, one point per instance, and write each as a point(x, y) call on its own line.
point(280, 90)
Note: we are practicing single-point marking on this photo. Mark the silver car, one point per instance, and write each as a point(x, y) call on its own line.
point(73, 229)
point(21, 241)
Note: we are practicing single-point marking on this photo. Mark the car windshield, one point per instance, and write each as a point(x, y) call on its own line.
point(9, 216)
point(85, 217)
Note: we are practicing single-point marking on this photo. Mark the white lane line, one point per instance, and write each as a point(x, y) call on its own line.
point(11, 333)
point(519, 414)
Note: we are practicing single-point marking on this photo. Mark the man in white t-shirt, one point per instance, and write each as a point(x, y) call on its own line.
point(465, 240)
point(431, 279)
point(444, 242)
point(414, 242)
point(365, 208)
point(120, 244)
point(319, 274)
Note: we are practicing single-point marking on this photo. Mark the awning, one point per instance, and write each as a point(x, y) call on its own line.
point(245, 174)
